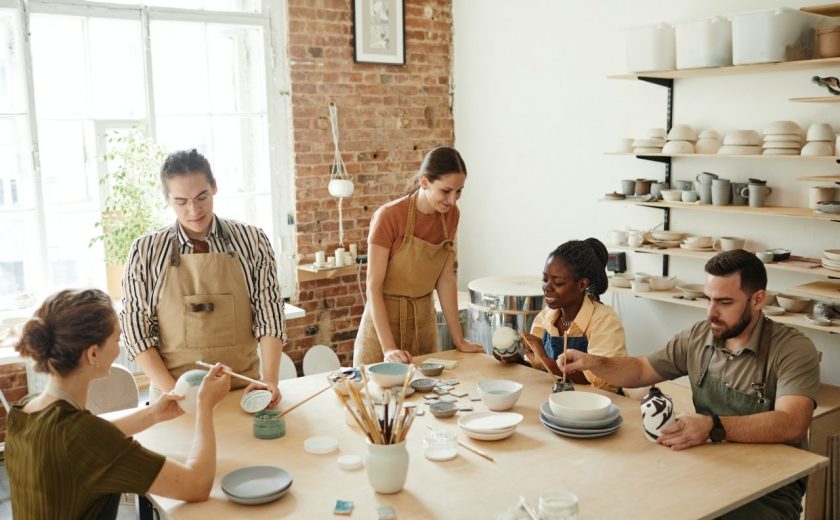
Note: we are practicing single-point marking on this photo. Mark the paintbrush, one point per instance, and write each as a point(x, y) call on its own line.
point(531, 346)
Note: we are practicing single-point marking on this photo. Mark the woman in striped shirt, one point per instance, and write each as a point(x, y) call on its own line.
point(205, 288)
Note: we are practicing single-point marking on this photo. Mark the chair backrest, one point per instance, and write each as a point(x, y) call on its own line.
point(319, 359)
point(118, 391)
point(287, 367)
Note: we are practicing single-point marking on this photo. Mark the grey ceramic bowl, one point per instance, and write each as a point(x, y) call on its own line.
point(423, 385)
point(780, 254)
point(431, 369)
point(443, 410)
point(793, 303)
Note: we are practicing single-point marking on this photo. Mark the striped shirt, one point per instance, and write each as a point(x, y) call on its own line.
point(145, 275)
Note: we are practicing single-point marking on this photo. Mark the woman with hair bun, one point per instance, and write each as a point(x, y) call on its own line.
point(574, 278)
point(64, 462)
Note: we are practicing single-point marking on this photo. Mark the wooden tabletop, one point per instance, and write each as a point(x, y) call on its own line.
point(619, 476)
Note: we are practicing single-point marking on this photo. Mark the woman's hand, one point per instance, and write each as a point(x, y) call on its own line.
point(166, 407)
point(214, 387)
point(468, 346)
point(531, 344)
point(397, 356)
point(272, 387)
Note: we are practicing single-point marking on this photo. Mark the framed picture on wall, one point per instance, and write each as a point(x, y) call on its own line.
point(379, 31)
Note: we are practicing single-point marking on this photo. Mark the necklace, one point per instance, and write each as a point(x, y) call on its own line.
point(563, 321)
point(61, 394)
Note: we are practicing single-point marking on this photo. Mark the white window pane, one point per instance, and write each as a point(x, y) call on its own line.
point(237, 80)
point(253, 210)
point(184, 133)
point(59, 65)
point(247, 6)
point(15, 164)
point(240, 154)
point(68, 162)
point(12, 94)
point(179, 60)
point(73, 262)
point(116, 68)
point(18, 268)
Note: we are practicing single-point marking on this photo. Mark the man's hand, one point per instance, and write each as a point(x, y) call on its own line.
point(574, 361)
point(688, 430)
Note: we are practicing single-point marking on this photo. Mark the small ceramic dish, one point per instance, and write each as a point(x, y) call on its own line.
point(832, 254)
point(779, 254)
point(423, 385)
point(431, 369)
point(829, 207)
point(254, 401)
point(621, 280)
point(793, 303)
point(443, 410)
point(671, 195)
point(818, 320)
point(692, 290)
point(772, 310)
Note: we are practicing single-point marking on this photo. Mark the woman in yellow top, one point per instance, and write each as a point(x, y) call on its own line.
point(64, 462)
point(411, 252)
point(573, 279)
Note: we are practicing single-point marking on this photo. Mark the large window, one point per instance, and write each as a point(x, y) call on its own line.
point(189, 73)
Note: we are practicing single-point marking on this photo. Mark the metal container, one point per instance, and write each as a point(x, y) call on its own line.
point(444, 337)
point(498, 301)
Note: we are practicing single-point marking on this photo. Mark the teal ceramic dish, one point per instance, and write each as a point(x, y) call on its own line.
point(387, 375)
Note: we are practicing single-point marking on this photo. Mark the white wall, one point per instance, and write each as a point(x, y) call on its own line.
point(534, 114)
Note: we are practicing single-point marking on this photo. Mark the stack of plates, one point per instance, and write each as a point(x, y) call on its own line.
point(256, 484)
point(782, 138)
point(741, 142)
point(652, 143)
point(581, 428)
point(489, 426)
point(831, 259)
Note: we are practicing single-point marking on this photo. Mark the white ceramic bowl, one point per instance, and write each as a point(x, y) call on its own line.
point(499, 394)
point(682, 133)
point(354, 377)
point(742, 138)
point(649, 143)
point(671, 195)
point(656, 133)
point(621, 280)
point(780, 151)
point(387, 375)
point(663, 283)
point(709, 134)
point(792, 138)
point(646, 150)
point(504, 339)
point(667, 235)
point(692, 290)
point(793, 145)
point(832, 254)
point(772, 310)
point(674, 147)
point(783, 127)
point(638, 286)
point(820, 132)
point(739, 150)
point(792, 303)
point(707, 145)
point(579, 405)
point(187, 385)
point(818, 148)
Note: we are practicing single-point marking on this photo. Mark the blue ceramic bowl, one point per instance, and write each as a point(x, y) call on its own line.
point(387, 375)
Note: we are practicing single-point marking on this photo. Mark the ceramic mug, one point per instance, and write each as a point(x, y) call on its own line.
point(704, 190)
point(689, 196)
point(757, 194)
point(737, 199)
point(635, 239)
point(729, 243)
point(618, 237)
point(706, 177)
point(657, 187)
point(765, 256)
point(628, 186)
point(683, 185)
point(819, 194)
point(642, 186)
point(721, 192)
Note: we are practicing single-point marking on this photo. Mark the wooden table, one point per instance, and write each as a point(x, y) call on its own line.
point(619, 476)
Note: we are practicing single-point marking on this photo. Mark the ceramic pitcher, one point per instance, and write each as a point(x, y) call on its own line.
point(721, 191)
point(657, 412)
point(387, 467)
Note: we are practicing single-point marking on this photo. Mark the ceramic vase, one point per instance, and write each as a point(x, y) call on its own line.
point(387, 467)
point(657, 412)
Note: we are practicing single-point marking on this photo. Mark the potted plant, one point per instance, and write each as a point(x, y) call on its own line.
point(132, 204)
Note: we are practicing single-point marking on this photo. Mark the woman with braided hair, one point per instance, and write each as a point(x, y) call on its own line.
point(574, 278)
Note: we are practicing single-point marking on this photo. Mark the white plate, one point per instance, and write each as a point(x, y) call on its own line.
point(487, 436)
point(830, 267)
point(613, 426)
point(320, 445)
point(565, 422)
point(488, 422)
point(256, 482)
point(255, 501)
point(692, 248)
point(253, 402)
point(350, 461)
point(576, 435)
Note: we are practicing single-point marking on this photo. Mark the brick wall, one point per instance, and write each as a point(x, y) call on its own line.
point(13, 385)
point(389, 117)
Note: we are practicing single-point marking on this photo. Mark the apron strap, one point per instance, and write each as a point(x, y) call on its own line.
point(706, 366)
point(404, 301)
point(409, 225)
point(174, 250)
point(762, 360)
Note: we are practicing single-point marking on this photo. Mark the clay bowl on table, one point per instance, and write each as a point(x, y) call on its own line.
point(579, 405)
point(387, 375)
point(423, 385)
point(443, 410)
point(499, 394)
point(792, 303)
point(431, 369)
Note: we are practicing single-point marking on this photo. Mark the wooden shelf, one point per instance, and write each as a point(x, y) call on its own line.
point(822, 290)
point(705, 255)
point(821, 178)
point(792, 319)
point(756, 68)
point(727, 156)
point(307, 273)
point(824, 9)
point(819, 99)
point(766, 211)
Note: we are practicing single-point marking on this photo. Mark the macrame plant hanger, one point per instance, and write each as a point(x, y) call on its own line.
point(340, 185)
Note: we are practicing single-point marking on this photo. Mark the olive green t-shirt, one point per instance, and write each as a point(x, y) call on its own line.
point(66, 463)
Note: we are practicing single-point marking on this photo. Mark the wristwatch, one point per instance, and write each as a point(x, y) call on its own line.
point(718, 434)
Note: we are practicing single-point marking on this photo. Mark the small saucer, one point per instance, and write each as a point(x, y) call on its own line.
point(818, 320)
point(253, 402)
point(690, 248)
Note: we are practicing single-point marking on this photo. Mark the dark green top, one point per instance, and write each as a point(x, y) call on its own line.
point(66, 463)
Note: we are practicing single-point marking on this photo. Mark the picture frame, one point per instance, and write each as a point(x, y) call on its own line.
point(379, 31)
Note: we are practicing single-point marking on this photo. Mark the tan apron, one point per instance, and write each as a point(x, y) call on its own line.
point(409, 281)
point(204, 313)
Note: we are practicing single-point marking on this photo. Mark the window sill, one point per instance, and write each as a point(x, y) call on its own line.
point(307, 273)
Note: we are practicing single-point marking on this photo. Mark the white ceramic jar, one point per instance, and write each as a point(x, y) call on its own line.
point(387, 467)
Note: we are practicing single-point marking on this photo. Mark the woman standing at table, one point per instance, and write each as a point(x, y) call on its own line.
point(411, 252)
point(574, 277)
point(64, 462)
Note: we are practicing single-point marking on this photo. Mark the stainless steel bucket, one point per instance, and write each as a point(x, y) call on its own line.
point(498, 301)
point(444, 337)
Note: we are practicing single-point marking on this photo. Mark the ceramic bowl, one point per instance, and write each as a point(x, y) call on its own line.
point(739, 150)
point(667, 235)
point(621, 280)
point(646, 150)
point(742, 138)
point(423, 385)
point(782, 127)
point(443, 410)
point(832, 254)
point(649, 143)
point(818, 320)
point(793, 145)
point(780, 151)
point(672, 195)
point(641, 277)
point(579, 405)
point(772, 310)
point(662, 283)
point(820, 132)
point(692, 290)
point(674, 147)
point(387, 375)
point(431, 369)
point(682, 133)
point(770, 297)
point(656, 133)
point(499, 394)
point(765, 256)
point(790, 138)
point(779, 254)
point(638, 286)
point(709, 134)
point(829, 207)
point(353, 376)
point(818, 148)
point(187, 385)
point(699, 241)
point(792, 303)
point(707, 146)
point(504, 339)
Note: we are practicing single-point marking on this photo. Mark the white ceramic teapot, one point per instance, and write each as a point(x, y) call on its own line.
point(657, 412)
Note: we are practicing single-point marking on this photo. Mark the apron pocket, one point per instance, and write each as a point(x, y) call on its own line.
point(210, 321)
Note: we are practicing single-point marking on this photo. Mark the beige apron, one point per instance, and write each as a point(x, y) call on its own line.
point(204, 313)
point(409, 281)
